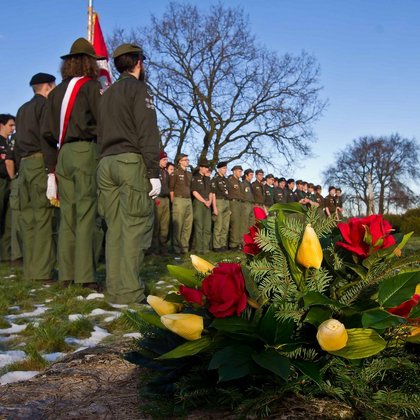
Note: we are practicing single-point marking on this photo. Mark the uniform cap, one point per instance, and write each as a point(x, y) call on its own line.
point(318, 187)
point(162, 154)
point(237, 167)
point(204, 163)
point(41, 78)
point(248, 171)
point(269, 176)
point(290, 180)
point(299, 182)
point(128, 49)
point(259, 171)
point(221, 165)
point(82, 46)
point(282, 179)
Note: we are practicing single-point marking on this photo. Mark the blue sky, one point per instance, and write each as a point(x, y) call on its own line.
point(368, 50)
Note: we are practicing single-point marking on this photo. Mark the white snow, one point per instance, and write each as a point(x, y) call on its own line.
point(95, 296)
point(14, 308)
point(119, 305)
point(8, 338)
point(95, 338)
point(75, 317)
point(133, 335)
point(80, 297)
point(52, 357)
point(17, 376)
point(15, 328)
point(38, 311)
point(48, 300)
point(112, 317)
point(12, 276)
point(12, 356)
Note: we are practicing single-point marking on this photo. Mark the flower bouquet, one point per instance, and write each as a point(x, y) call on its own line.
point(310, 305)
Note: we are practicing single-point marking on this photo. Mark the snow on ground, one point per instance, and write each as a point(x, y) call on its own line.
point(95, 296)
point(40, 309)
point(133, 335)
point(95, 338)
point(12, 276)
point(17, 376)
point(11, 356)
point(52, 357)
point(75, 317)
point(14, 308)
point(14, 329)
point(119, 305)
point(8, 338)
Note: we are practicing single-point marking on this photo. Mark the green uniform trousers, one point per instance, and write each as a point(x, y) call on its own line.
point(202, 227)
point(221, 224)
point(249, 217)
point(76, 168)
point(182, 219)
point(124, 203)
point(4, 233)
point(36, 219)
point(236, 223)
point(161, 222)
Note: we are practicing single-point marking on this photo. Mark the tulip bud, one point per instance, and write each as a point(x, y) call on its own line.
point(332, 335)
point(188, 326)
point(309, 253)
point(201, 265)
point(161, 306)
point(417, 291)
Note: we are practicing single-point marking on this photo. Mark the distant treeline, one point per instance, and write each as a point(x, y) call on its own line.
point(407, 222)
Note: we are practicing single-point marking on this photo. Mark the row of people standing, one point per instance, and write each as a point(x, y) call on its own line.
point(214, 213)
point(102, 152)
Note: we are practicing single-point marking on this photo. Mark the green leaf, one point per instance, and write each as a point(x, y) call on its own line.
point(404, 240)
point(250, 284)
point(274, 362)
point(317, 315)
point(184, 276)
point(152, 318)
point(316, 298)
point(358, 269)
point(233, 324)
point(187, 349)
point(288, 208)
point(232, 362)
point(361, 343)
point(273, 331)
point(415, 312)
point(174, 298)
point(310, 369)
point(380, 319)
point(395, 290)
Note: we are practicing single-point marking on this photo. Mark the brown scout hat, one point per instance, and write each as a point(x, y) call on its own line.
point(128, 49)
point(204, 163)
point(82, 46)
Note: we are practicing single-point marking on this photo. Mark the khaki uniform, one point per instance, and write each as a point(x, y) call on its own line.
point(202, 214)
point(4, 201)
point(182, 211)
point(279, 195)
point(329, 202)
point(221, 221)
point(129, 149)
point(37, 158)
point(75, 171)
point(248, 205)
point(291, 196)
point(268, 196)
point(236, 207)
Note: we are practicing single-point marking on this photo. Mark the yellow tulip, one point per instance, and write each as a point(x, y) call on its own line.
point(188, 326)
point(161, 306)
point(201, 265)
point(417, 292)
point(332, 335)
point(309, 253)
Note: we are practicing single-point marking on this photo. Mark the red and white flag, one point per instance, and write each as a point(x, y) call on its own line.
point(99, 45)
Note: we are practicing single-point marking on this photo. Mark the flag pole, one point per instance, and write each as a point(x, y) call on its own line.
point(90, 21)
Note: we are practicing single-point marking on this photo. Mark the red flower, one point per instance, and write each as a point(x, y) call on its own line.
point(191, 295)
point(405, 308)
point(363, 236)
point(250, 247)
point(259, 213)
point(225, 290)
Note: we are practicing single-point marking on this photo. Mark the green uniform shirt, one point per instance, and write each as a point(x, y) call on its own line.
point(28, 132)
point(291, 196)
point(180, 183)
point(320, 200)
point(268, 195)
point(201, 184)
point(219, 187)
point(127, 121)
point(339, 201)
point(234, 188)
point(279, 195)
point(329, 202)
point(258, 190)
point(247, 193)
point(4, 146)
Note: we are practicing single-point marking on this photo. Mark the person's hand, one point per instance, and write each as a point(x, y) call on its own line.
point(51, 187)
point(156, 186)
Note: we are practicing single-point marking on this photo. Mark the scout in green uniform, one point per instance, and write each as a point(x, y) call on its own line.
point(162, 210)
point(7, 127)
point(329, 202)
point(182, 211)
point(221, 210)
point(291, 196)
point(76, 163)
point(258, 189)
point(269, 191)
point(279, 191)
point(37, 158)
point(338, 203)
point(200, 188)
point(248, 196)
point(236, 207)
point(128, 174)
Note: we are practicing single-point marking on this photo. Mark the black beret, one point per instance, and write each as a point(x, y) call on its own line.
point(237, 167)
point(221, 165)
point(41, 78)
point(204, 163)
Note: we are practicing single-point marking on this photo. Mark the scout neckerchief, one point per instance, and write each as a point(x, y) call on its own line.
point(68, 103)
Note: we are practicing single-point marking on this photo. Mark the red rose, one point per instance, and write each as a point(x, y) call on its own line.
point(405, 308)
point(225, 290)
point(191, 295)
point(363, 236)
point(259, 213)
point(250, 247)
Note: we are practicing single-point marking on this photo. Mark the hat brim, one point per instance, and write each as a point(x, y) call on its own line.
point(96, 57)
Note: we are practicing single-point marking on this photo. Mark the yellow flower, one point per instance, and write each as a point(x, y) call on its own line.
point(415, 331)
point(161, 306)
point(201, 265)
point(188, 326)
point(332, 335)
point(417, 292)
point(309, 253)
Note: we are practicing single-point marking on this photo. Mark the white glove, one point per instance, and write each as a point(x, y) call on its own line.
point(156, 185)
point(51, 187)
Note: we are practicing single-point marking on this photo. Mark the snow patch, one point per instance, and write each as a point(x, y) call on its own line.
point(75, 317)
point(38, 311)
point(12, 276)
point(12, 356)
point(80, 297)
point(133, 335)
point(14, 308)
point(17, 376)
point(119, 305)
point(112, 317)
point(52, 357)
point(95, 296)
point(15, 328)
point(95, 338)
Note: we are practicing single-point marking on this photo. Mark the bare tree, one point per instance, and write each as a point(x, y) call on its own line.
point(221, 95)
point(385, 163)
